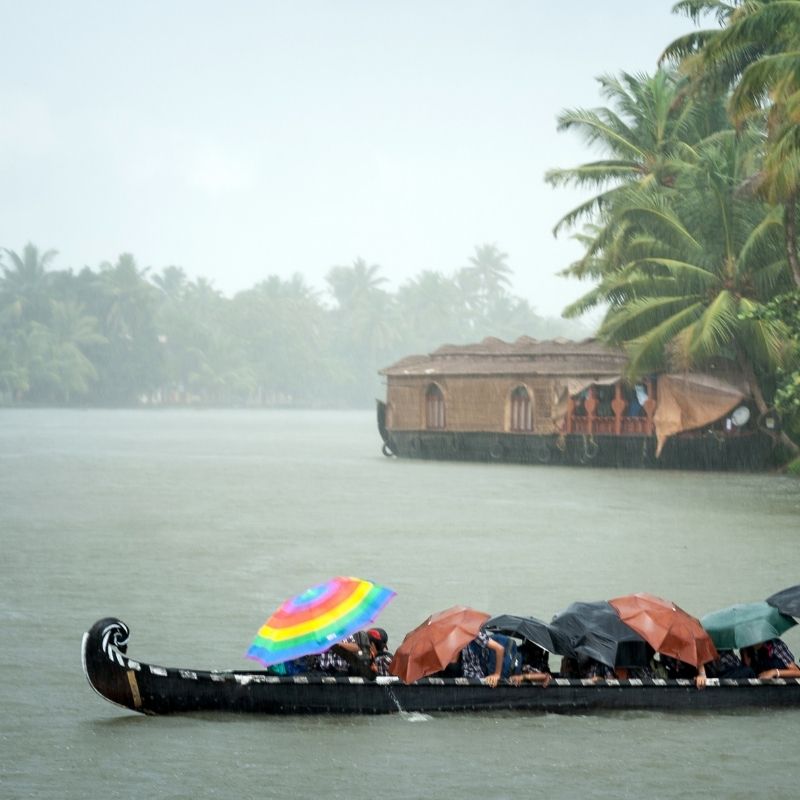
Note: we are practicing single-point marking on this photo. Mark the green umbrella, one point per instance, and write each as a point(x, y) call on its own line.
point(745, 624)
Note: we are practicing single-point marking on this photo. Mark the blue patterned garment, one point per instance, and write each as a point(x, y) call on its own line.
point(471, 666)
point(332, 662)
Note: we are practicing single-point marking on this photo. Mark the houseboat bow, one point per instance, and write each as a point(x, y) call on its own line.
point(151, 689)
point(565, 402)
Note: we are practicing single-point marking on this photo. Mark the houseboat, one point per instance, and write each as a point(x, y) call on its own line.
point(567, 402)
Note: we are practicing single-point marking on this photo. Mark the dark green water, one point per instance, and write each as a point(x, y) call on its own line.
point(193, 526)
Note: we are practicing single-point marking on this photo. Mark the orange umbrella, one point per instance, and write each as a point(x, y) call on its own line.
point(431, 646)
point(667, 628)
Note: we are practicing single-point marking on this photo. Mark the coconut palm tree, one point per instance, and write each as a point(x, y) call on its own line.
point(642, 134)
point(71, 334)
point(124, 302)
point(172, 282)
point(757, 54)
point(25, 286)
point(14, 372)
point(489, 271)
point(363, 327)
point(279, 323)
point(689, 267)
point(352, 286)
point(430, 312)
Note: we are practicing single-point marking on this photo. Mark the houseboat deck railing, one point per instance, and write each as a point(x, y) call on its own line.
point(585, 415)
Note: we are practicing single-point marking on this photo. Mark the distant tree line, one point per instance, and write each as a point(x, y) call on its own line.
point(120, 335)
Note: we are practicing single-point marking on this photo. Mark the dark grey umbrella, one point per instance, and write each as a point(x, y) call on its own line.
point(787, 601)
point(530, 628)
point(594, 630)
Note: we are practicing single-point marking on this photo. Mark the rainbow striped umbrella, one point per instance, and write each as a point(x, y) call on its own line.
point(318, 618)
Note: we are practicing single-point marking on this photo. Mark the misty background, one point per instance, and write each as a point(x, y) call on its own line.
point(287, 197)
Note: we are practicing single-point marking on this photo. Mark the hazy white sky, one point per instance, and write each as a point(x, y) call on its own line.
point(242, 139)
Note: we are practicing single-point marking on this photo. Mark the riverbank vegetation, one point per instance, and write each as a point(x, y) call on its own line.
point(689, 234)
point(120, 335)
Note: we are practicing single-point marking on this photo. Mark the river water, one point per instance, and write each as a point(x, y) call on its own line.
point(193, 526)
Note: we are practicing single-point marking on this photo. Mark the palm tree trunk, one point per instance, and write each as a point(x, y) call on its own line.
point(790, 224)
point(761, 403)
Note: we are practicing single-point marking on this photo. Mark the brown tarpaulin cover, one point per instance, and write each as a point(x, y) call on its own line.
point(572, 387)
point(690, 401)
point(685, 401)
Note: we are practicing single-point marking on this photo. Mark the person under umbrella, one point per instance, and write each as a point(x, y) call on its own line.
point(448, 642)
point(596, 643)
point(533, 653)
point(771, 659)
point(475, 655)
point(364, 654)
point(381, 657)
point(740, 626)
point(684, 647)
point(322, 617)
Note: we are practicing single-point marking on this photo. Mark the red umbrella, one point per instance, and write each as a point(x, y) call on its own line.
point(667, 628)
point(431, 646)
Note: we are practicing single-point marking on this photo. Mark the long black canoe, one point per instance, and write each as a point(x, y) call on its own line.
point(152, 689)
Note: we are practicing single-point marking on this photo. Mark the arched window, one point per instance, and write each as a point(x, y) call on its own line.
point(434, 407)
point(521, 416)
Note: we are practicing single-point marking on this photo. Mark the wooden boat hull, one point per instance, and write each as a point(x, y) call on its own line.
point(751, 452)
point(151, 689)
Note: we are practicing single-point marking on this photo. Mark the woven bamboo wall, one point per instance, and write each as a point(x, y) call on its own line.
point(472, 403)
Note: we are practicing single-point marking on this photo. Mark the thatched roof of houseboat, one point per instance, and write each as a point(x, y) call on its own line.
point(553, 357)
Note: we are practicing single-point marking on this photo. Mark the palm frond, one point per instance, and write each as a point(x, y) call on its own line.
point(596, 173)
point(638, 317)
point(611, 131)
point(695, 9)
point(648, 352)
point(764, 340)
point(711, 333)
point(759, 79)
point(583, 304)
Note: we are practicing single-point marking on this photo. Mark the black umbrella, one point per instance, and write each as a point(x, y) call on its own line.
point(787, 601)
point(594, 630)
point(529, 628)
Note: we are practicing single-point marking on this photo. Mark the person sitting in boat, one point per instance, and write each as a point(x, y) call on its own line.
point(381, 657)
point(569, 668)
point(350, 656)
point(597, 670)
point(364, 654)
point(676, 669)
point(534, 657)
point(333, 661)
point(534, 665)
point(730, 666)
point(531, 675)
point(771, 659)
point(641, 672)
point(476, 654)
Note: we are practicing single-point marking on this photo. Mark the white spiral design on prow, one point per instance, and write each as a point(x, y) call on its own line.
point(114, 641)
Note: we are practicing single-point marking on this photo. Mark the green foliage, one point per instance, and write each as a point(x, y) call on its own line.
point(120, 336)
point(785, 310)
point(695, 231)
